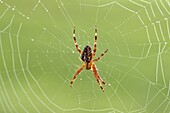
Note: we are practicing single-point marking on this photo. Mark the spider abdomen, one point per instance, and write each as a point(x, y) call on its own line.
point(86, 56)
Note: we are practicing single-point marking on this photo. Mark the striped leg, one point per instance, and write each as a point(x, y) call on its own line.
point(75, 42)
point(98, 77)
point(95, 42)
point(100, 56)
point(102, 80)
point(75, 75)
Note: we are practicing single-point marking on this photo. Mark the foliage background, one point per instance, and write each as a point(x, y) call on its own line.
point(38, 57)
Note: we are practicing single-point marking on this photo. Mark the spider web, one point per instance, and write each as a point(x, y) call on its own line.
point(38, 58)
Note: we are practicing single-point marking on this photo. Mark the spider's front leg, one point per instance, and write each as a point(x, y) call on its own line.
point(98, 78)
point(75, 75)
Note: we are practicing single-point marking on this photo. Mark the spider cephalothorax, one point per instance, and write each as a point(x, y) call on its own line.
point(87, 57)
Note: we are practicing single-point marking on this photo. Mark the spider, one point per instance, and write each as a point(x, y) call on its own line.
point(87, 57)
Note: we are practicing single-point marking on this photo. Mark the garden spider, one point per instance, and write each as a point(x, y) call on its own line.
point(87, 57)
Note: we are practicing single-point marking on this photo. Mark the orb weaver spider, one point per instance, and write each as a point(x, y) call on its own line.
point(87, 57)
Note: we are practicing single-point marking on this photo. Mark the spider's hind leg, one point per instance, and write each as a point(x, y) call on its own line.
point(75, 42)
point(95, 42)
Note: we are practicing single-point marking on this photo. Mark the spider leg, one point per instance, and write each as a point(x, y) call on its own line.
point(100, 56)
point(75, 42)
point(98, 78)
point(102, 80)
point(75, 75)
point(95, 42)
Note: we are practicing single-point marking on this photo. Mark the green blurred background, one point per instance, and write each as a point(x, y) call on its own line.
point(38, 58)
